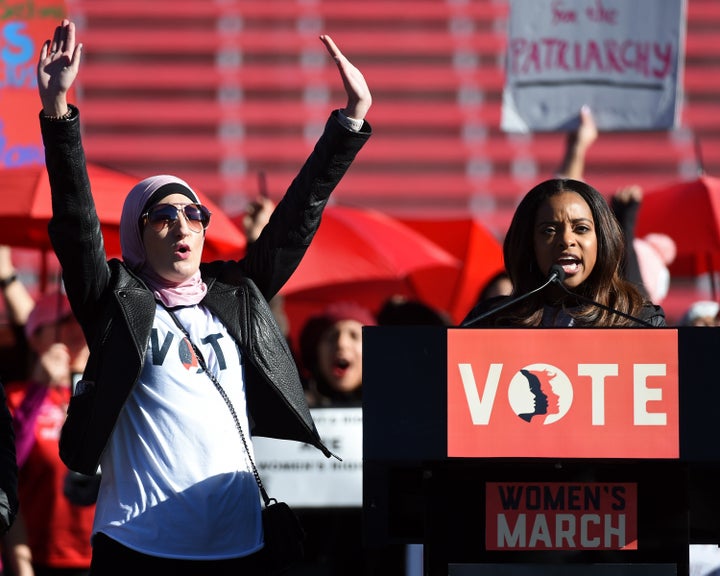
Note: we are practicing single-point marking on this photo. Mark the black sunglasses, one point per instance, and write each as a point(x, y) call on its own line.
point(160, 216)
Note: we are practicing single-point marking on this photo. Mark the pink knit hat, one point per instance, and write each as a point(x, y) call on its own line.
point(655, 253)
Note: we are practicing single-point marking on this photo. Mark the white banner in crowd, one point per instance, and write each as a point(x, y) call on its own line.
point(622, 58)
point(300, 474)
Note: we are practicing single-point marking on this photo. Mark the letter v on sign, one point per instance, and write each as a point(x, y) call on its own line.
point(480, 409)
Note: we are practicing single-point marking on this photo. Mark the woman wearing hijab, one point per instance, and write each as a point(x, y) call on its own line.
point(184, 356)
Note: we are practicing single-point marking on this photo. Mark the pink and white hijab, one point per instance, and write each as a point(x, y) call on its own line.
point(143, 195)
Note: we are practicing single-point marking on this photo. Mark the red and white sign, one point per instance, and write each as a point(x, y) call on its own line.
point(561, 516)
point(573, 393)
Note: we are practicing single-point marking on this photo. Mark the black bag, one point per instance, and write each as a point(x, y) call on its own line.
point(284, 537)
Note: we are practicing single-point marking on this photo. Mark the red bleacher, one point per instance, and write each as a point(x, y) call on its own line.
point(218, 91)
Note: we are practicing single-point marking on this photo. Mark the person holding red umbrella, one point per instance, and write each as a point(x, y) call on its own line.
point(186, 360)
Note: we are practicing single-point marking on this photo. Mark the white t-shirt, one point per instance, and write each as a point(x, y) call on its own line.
point(176, 480)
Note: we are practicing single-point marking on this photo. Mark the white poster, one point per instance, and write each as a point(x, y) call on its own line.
point(623, 58)
point(302, 476)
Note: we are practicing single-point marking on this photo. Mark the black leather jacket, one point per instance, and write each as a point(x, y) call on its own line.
point(116, 309)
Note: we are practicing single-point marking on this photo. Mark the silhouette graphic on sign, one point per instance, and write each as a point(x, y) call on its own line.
point(540, 387)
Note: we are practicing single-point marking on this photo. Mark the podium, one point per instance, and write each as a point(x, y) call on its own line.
point(621, 489)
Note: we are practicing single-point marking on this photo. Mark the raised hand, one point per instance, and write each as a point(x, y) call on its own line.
point(577, 144)
point(57, 69)
point(587, 132)
point(628, 194)
point(257, 215)
point(358, 93)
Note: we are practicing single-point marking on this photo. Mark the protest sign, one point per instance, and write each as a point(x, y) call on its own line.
point(303, 477)
point(623, 59)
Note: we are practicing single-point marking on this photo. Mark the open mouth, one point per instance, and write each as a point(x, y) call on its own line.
point(570, 265)
point(340, 366)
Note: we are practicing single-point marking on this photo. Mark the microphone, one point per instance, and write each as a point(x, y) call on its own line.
point(560, 276)
point(557, 274)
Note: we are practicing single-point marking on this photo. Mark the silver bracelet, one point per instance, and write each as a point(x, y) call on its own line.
point(65, 116)
point(350, 123)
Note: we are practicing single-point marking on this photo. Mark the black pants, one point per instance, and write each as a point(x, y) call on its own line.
point(111, 558)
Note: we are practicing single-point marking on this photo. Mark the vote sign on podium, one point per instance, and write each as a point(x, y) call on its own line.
point(565, 393)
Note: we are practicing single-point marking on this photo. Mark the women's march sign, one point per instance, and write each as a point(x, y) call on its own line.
point(24, 25)
point(623, 59)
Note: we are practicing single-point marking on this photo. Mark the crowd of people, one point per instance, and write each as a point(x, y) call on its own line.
point(130, 397)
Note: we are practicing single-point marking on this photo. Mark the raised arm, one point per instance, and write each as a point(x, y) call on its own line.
point(18, 301)
point(57, 69)
point(359, 99)
point(625, 204)
point(277, 252)
point(74, 228)
point(577, 145)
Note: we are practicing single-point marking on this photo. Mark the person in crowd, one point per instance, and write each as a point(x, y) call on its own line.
point(400, 310)
point(331, 352)
point(52, 531)
point(15, 356)
point(254, 219)
point(15, 361)
point(8, 468)
point(498, 285)
point(186, 359)
point(625, 204)
point(577, 144)
point(655, 253)
point(330, 345)
point(566, 223)
point(701, 313)
point(647, 259)
point(18, 301)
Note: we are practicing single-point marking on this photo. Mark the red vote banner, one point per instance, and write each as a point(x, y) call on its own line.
point(574, 393)
point(24, 25)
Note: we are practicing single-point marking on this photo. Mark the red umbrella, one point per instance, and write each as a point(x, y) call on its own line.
point(364, 256)
point(361, 245)
point(688, 212)
point(474, 246)
point(26, 210)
